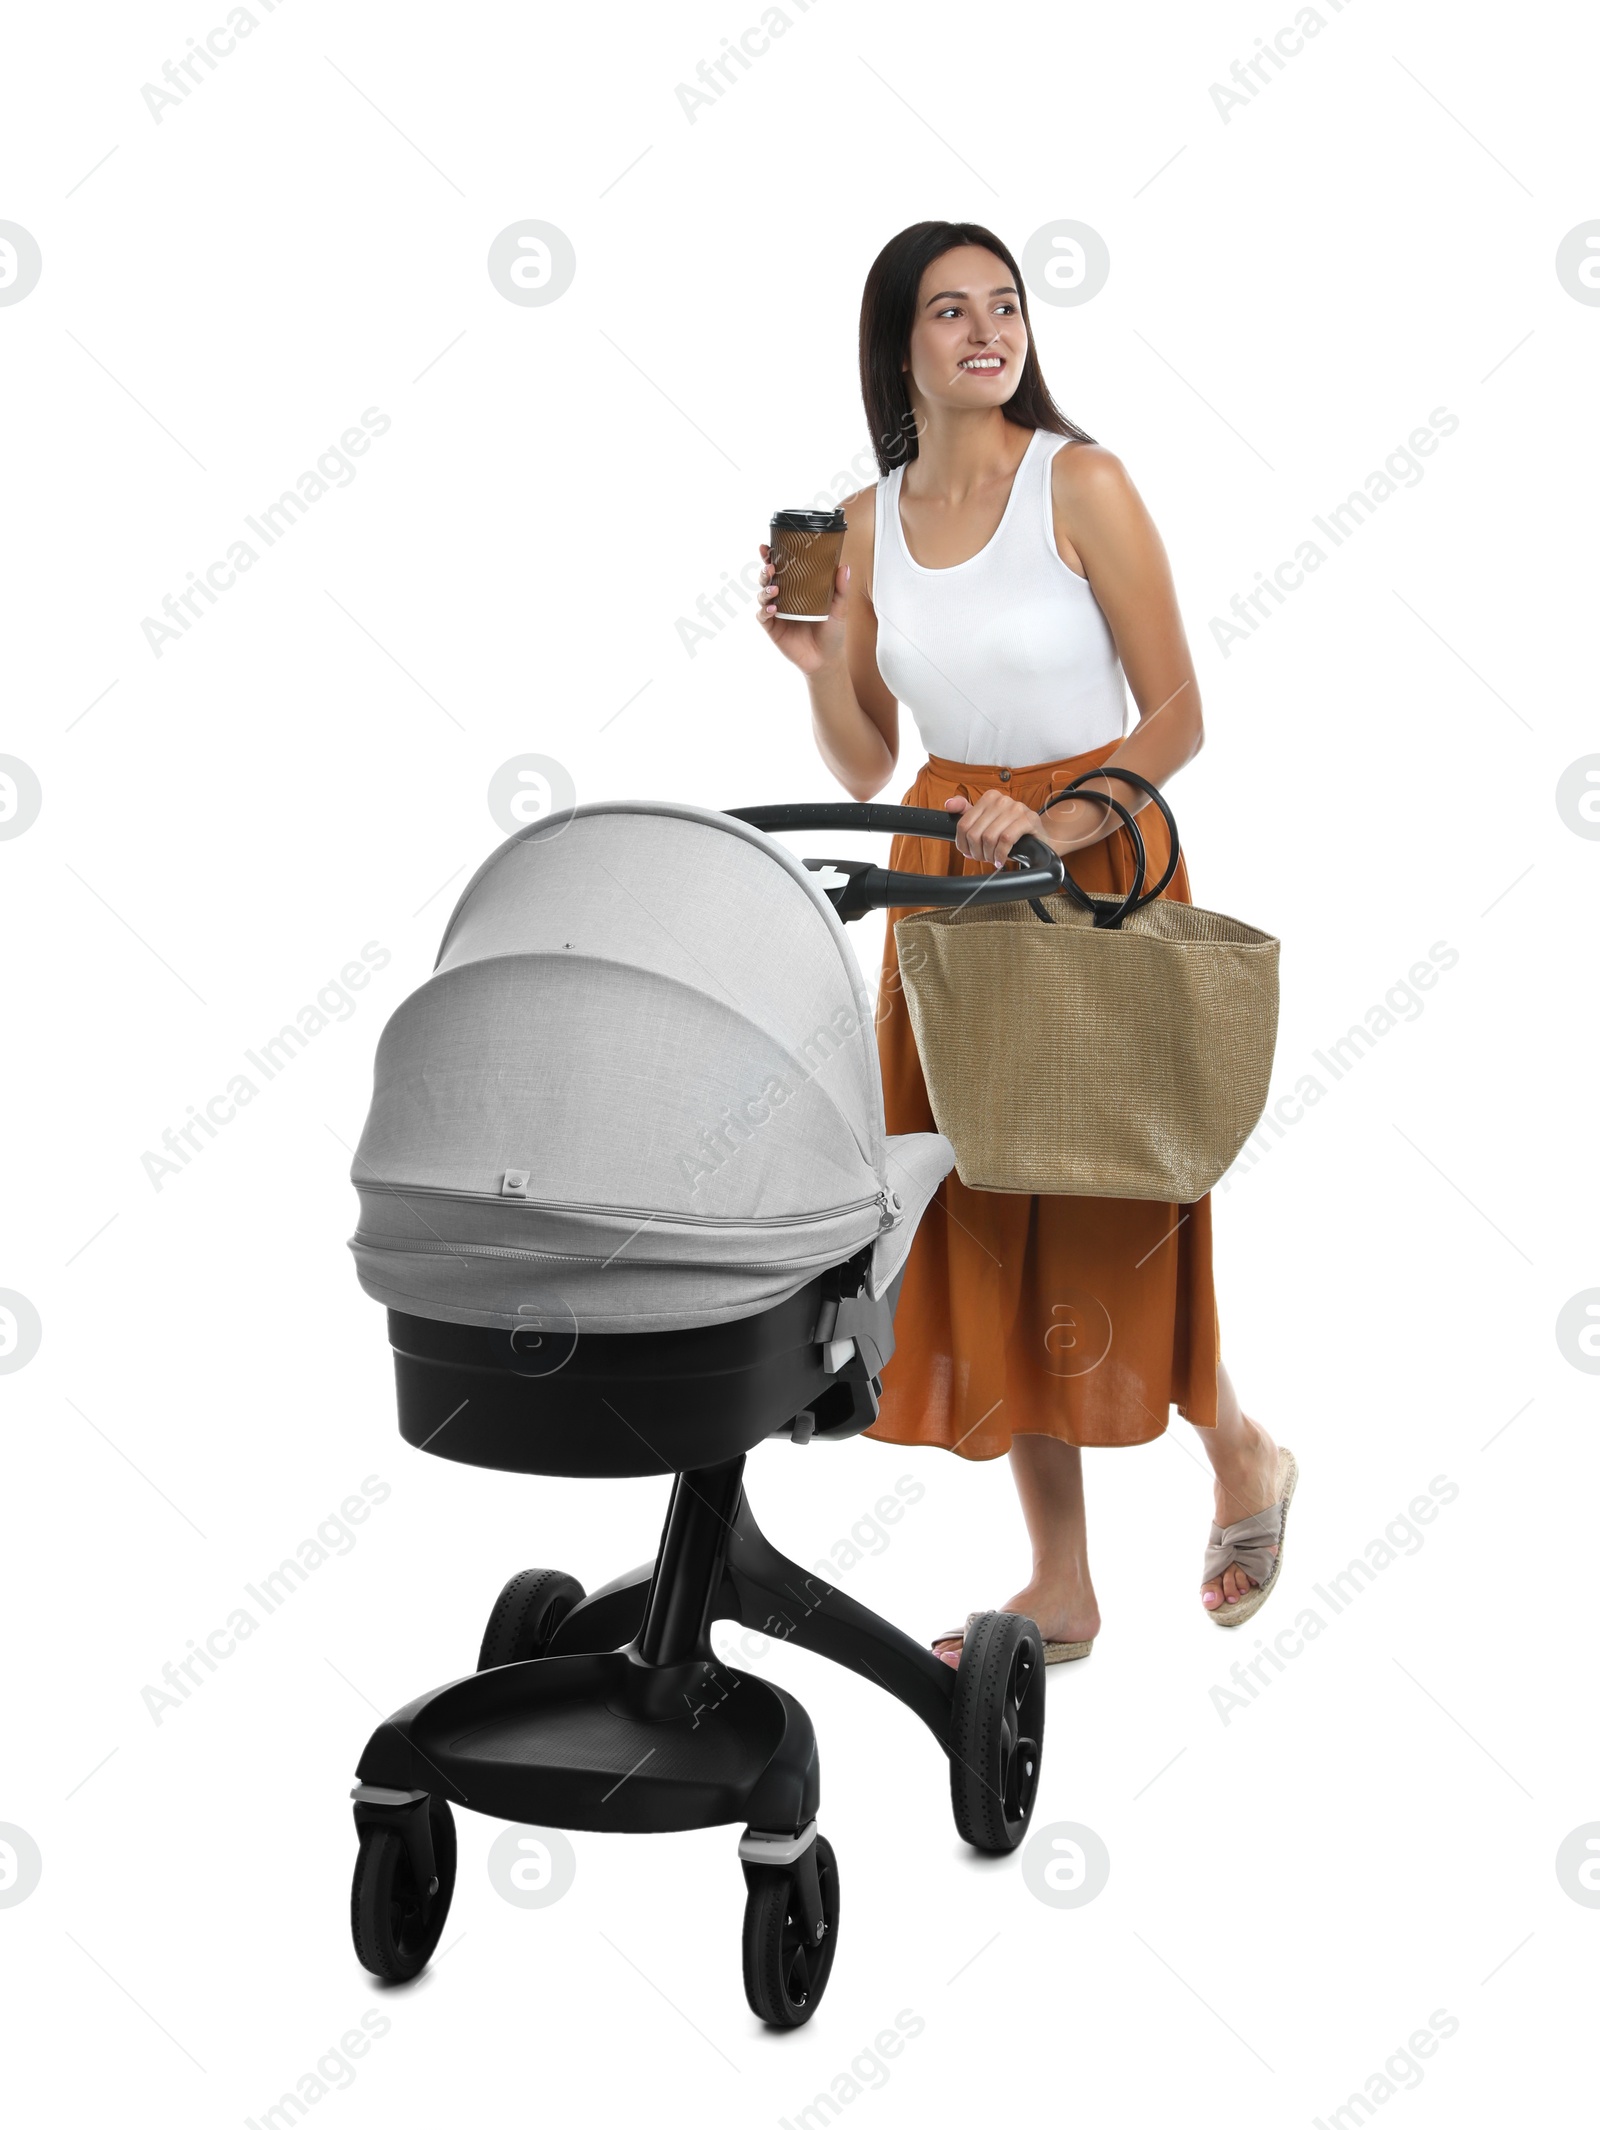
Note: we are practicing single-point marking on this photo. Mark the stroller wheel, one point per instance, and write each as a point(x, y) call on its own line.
point(526, 1614)
point(396, 1923)
point(784, 1972)
point(997, 1731)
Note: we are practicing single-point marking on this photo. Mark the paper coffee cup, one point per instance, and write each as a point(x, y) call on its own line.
point(806, 546)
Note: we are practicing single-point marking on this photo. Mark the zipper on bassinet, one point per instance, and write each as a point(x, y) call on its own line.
point(395, 1247)
point(885, 1199)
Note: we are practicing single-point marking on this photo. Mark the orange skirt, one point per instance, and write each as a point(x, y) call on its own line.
point(1082, 1318)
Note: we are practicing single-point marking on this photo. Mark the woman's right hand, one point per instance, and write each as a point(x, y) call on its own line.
point(813, 646)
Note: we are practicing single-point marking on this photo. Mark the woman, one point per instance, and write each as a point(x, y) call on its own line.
point(1001, 580)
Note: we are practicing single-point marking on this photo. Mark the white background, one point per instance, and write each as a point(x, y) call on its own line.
point(1372, 1839)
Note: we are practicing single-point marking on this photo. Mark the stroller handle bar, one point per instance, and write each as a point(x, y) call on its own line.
point(1038, 869)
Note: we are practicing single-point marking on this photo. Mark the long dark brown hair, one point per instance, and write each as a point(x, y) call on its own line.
point(888, 312)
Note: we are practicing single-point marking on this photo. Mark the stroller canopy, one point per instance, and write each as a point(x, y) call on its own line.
point(639, 1091)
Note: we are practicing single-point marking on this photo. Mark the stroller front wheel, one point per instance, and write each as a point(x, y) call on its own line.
point(396, 1924)
point(786, 1967)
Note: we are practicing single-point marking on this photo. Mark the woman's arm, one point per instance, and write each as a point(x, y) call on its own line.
point(1104, 532)
point(855, 719)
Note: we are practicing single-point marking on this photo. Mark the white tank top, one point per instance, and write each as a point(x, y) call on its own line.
point(1006, 657)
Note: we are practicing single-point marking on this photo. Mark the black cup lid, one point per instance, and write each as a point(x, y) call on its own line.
point(812, 521)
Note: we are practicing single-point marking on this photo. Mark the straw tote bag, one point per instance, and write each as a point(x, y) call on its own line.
point(1119, 1049)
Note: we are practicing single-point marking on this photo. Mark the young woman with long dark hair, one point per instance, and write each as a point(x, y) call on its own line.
point(1002, 580)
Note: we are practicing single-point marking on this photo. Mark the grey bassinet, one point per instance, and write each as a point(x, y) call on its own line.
point(639, 1091)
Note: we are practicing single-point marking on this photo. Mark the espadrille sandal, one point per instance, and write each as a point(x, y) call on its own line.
point(1054, 1652)
point(1247, 1545)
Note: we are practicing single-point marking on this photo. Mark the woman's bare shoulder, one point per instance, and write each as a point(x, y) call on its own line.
point(1093, 497)
point(860, 521)
point(860, 508)
point(1089, 474)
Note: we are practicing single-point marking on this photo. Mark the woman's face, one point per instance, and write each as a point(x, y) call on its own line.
point(968, 340)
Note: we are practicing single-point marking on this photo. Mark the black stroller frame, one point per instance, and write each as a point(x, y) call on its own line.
point(610, 1711)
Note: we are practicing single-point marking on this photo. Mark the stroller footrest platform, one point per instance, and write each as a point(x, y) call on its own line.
point(607, 1743)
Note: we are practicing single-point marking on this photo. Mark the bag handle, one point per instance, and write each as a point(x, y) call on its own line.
point(1107, 916)
point(1110, 919)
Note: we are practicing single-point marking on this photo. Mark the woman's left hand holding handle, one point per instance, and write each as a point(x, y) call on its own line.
point(990, 824)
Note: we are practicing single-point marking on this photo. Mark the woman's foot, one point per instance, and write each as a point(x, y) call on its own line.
point(1245, 1466)
point(1063, 1611)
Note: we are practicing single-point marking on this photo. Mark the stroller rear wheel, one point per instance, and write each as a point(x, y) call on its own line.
point(395, 1922)
point(785, 1969)
point(997, 1731)
point(526, 1614)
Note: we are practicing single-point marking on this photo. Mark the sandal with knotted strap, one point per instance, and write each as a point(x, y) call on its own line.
point(1054, 1652)
point(1255, 1544)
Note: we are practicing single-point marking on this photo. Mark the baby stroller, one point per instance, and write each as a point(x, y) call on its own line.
point(627, 1196)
